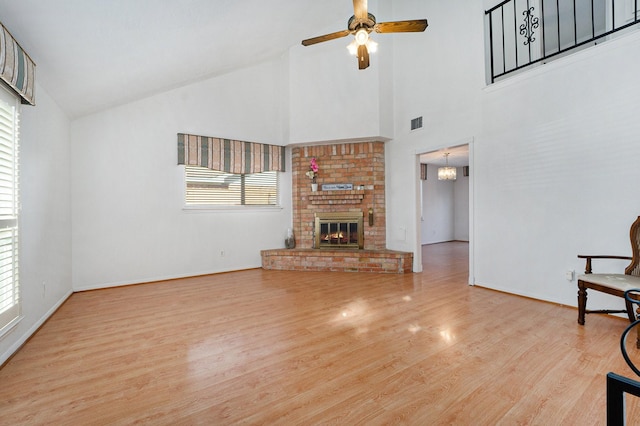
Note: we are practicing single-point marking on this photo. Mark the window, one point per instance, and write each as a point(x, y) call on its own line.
point(9, 294)
point(216, 188)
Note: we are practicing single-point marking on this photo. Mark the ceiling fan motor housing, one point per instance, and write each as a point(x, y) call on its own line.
point(355, 24)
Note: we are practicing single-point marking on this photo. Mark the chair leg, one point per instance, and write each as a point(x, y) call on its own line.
point(633, 315)
point(582, 303)
point(630, 311)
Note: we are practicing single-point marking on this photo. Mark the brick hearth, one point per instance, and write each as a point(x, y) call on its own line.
point(359, 164)
point(380, 261)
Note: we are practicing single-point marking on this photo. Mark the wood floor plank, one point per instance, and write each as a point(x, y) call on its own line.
point(282, 347)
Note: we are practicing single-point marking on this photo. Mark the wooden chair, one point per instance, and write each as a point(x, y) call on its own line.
point(614, 284)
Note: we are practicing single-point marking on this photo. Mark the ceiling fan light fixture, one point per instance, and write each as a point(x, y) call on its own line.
point(372, 46)
point(353, 48)
point(362, 36)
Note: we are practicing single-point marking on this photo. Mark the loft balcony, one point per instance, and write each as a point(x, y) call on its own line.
point(522, 33)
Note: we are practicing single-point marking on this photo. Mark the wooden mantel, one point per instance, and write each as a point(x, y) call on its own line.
point(337, 197)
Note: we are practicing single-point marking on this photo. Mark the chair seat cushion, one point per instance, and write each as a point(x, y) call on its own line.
point(620, 282)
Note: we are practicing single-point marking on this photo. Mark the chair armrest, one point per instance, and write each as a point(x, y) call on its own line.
point(587, 269)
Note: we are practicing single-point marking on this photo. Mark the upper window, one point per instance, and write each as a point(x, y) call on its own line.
point(215, 188)
point(9, 291)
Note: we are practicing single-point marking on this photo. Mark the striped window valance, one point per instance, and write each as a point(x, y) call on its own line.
point(228, 155)
point(16, 67)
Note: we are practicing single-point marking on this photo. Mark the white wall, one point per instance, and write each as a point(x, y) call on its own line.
point(330, 99)
point(555, 152)
point(129, 224)
point(558, 178)
point(437, 208)
point(445, 208)
point(461, 207)
point(438, 75)
point(45, 217)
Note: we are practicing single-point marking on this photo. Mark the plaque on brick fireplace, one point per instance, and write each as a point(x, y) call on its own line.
point(341, 230)
point(337, 186)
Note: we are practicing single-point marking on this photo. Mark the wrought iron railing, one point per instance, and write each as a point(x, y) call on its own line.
point(525, 32)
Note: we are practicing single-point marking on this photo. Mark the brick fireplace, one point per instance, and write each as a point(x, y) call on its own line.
point(359, 164)
point(362, 166)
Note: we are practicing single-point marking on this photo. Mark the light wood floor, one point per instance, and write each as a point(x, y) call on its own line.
point(271, 347)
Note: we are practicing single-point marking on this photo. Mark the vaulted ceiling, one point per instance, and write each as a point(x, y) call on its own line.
point(93, 54)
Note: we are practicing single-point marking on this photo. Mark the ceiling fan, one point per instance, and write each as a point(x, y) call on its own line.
point(360, 25)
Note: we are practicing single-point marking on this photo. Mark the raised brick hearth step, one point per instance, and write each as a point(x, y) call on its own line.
point(378, 261)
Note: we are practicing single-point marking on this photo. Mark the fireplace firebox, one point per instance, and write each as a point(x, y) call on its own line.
point(341, 230)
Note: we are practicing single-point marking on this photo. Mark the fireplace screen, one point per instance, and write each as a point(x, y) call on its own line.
point(339, 230)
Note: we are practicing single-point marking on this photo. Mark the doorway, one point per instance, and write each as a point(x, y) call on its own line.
point(445, 206)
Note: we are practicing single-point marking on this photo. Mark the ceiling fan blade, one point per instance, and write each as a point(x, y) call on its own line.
point(363, 57)
point(412, 26)
point(325, 37)
point(360, 9)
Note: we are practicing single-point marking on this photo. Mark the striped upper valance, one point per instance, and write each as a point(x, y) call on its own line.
point(16, 67)
point(228, 155)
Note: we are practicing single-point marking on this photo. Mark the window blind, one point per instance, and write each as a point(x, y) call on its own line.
point(9, 291)
point(213, 187)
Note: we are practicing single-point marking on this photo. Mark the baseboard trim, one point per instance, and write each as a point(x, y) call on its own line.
point(156, 279)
